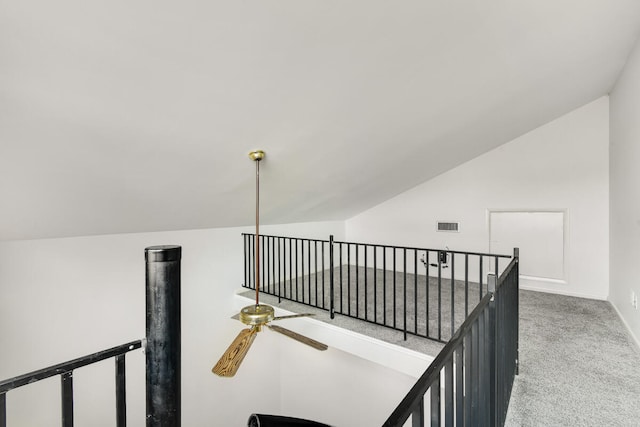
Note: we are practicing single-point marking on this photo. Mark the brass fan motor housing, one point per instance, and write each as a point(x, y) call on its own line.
point(257, 315)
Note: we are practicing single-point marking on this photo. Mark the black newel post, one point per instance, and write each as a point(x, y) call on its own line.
point(163, 335)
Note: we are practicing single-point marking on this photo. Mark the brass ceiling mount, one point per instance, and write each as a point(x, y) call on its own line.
point(257, 155)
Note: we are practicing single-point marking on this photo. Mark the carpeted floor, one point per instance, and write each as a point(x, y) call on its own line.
point(578, 364)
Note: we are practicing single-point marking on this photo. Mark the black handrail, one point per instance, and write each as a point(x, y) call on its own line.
point(380, 245)
point(71, 365)
point(65, 370)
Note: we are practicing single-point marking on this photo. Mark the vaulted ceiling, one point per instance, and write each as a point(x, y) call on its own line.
point(131, 115)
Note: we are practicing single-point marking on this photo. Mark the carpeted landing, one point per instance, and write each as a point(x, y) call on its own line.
point(578, 363)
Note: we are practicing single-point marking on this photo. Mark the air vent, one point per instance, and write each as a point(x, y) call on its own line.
point(453, 227)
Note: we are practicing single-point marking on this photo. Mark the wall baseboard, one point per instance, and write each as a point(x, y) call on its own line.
point(626, 325)
point(563, 292)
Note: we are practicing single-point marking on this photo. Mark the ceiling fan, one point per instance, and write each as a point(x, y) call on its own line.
point(258, 315)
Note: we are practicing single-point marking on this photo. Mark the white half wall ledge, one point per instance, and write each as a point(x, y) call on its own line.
point(400, 359)
point(626, 325)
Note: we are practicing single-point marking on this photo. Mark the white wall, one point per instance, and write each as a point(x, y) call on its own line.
point(625, 192)
point(64, 298)
point(562, 165)
point(356, 392)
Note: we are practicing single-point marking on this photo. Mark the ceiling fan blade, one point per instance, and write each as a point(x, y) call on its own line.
point(298, 337)
point(236, 316)
point(293, 316)
point(230, 361)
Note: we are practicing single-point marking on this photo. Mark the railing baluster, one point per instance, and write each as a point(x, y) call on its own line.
point(481, 279)
point(253, 263)
point(297, 261)
point(263, 275)
point(494, 369)
point(308, 269)
point(475, 378)
point(366, 290)
point(482, 368)
point(357, 281)
point(266, 285)
point(121, 392)
point(439, 295)
point(426, 268)
point(417, 416)
point(246, 264)
point(458, 360)
point(349, 279)
point(273, 266)
point(340, 250)
point(66, 386)
point(468, 357)
point(280, 264)
point(404, 291)
point(384, 285)
point(3, 409)
point(435, 402)
point(453, 294)
point(448, 393)
point(394, 287)
point(331, 285)
point(415, 291)
point(375, 284)
point(302, 267)
point(315, 258)
point(466, 285)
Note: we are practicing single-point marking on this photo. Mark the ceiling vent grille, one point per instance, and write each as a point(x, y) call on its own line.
point(453, 227)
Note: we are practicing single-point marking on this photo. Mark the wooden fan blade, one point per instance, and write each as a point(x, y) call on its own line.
point(298, 337)
point(293, 316)
point(230, 361)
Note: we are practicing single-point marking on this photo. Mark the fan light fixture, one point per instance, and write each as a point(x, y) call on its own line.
point(258, 315)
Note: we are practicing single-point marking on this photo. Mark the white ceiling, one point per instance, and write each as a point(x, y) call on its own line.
point(130, 115)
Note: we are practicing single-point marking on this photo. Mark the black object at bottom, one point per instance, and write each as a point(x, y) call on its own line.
point(261, 420)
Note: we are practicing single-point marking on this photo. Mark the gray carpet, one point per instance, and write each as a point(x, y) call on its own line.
point(578, 364)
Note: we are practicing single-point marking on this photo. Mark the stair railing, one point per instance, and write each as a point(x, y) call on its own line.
point(470, 380)
point(418, 291)
point(162, 351)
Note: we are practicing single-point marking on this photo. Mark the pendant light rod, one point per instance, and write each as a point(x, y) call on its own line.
point(257, 156)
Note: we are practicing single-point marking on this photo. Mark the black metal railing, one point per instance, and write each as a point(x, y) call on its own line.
point(65, 371)
point(469, 382)
point(422, 292)
point(162, 351)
